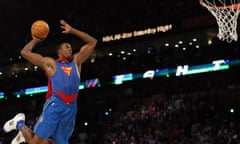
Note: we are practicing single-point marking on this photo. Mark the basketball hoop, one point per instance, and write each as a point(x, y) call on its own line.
point(226, 13)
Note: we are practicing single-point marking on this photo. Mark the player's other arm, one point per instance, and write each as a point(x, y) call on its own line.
point(45, 63)
point(87, 49)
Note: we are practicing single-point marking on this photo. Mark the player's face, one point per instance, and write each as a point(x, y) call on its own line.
point(66, 50)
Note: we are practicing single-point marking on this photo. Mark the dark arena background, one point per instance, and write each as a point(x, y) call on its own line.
point(159, 74)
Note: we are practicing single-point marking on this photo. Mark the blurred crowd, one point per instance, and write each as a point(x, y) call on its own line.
point(179, 119)
point(201, 117)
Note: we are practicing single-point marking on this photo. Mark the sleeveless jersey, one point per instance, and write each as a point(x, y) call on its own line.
point(65, 82)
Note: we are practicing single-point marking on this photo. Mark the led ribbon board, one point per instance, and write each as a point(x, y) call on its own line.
point(42, 89)
point(180, 70)
point(2, 95)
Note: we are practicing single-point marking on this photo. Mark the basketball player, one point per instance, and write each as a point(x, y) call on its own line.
point(56, 122)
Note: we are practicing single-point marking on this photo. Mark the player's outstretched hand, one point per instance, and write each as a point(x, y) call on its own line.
point(65, 26)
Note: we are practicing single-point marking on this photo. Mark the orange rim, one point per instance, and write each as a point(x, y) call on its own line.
point(233, 6)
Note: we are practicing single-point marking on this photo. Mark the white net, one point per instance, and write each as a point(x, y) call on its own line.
point(226, 15)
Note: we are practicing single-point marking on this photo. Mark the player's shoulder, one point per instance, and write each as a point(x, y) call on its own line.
point(49, 60)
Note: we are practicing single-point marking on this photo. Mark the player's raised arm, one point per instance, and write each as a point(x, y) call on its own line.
point(34, 58)
point(87, 49)
point(39, 30)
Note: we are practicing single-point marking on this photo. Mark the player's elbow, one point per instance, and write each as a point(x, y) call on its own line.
point(91, 46)
point(23, 52)
point(94, 42)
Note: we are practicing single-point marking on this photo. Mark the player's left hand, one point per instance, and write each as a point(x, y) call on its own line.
point(65, 26)
point(37, 39)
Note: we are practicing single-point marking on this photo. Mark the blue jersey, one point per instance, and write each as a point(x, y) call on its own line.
point(59, 112)
point(65, 82)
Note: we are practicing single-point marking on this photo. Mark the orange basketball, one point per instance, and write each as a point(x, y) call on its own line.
point(40, 29)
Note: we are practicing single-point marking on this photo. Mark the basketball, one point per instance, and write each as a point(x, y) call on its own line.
point(40, 29)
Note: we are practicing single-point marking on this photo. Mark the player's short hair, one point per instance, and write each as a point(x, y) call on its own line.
point(60, 42)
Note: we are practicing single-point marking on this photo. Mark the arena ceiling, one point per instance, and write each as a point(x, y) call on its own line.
point(98, 18)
